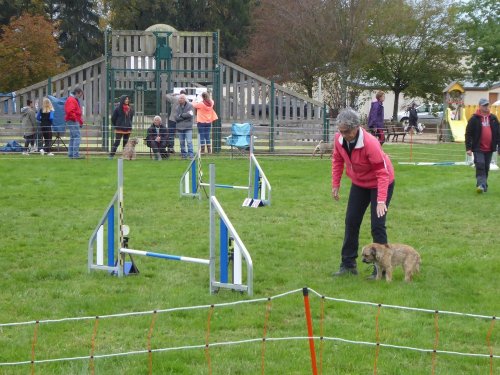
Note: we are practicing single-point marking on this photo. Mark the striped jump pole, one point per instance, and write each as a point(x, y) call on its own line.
point(259, 188)
point(106, 226)
point(164, 256)
point(228, 240)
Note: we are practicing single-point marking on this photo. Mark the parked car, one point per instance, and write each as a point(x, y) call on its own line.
point(427, 114)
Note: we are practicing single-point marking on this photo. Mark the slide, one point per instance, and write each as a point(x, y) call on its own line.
point(457, 127)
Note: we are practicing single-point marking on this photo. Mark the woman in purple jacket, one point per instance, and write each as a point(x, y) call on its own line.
point(376, 117)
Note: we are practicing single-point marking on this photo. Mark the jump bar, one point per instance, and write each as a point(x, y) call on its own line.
point(165, 256)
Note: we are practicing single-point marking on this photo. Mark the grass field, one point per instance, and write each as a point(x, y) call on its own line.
point(50, 206)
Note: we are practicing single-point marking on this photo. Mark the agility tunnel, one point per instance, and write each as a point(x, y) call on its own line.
point(258, 187)
point(226, 249)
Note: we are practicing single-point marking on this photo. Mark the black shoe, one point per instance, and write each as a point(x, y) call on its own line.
point(343, 270)
point(373, 275)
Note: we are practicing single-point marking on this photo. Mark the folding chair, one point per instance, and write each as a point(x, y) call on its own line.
point(240, 138)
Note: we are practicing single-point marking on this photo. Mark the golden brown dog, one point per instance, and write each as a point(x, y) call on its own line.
point(387, 256)
point(322, 148)
point(129, 150)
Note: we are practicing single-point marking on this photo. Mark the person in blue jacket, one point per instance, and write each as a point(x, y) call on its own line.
point(46, 117)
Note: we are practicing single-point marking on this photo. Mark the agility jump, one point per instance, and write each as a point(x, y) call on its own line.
point(259, 188)
point(232, 250)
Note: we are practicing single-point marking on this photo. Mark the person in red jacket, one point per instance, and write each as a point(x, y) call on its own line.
point(73, 118)
point(372, 176)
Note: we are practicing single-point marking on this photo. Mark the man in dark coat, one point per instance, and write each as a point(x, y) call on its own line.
point(482, 139)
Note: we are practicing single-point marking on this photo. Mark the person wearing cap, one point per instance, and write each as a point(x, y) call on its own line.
point(372, 176)
point(482, 139)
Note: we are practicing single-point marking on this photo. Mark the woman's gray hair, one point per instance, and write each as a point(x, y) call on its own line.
point(157, 117)
point(349, 118)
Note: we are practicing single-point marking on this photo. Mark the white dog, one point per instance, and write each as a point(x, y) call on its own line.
point(322, 148)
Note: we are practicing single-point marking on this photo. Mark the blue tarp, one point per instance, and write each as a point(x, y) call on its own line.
point(12, 146)
point(58, 125)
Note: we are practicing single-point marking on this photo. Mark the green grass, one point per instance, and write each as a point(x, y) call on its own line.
point(50, 206)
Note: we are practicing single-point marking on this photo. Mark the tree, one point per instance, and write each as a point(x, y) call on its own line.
point(28, 52)
point(346, 31)
point(479, 22)
point(287, 42)
point(231, 17)
point(417, 55)
point(14, 8)
point(80, 38)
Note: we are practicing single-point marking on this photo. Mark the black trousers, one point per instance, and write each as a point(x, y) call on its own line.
point(47, 136)
point(29, 140)
point(158, 147)
point(118, 138)
point(359, 199)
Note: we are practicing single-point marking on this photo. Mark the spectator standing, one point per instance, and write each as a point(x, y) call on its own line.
point(73, 118)
point(205, 115)
point(413, 118)
point(122, 123)
point(372, 176)
point(376, 117)
point(157, 138)
point(46, 117)
point(482, 139)
point(184, 126)
point(28, 123)
point(173, 99)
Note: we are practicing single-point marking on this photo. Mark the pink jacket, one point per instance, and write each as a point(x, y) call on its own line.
point(205, 113)
point(369, 167)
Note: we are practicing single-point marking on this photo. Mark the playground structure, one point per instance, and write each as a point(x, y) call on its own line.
point(259, 188)
point(146, 65)
point(452, 127)
point(231, 247)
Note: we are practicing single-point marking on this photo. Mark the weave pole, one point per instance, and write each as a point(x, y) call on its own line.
point(307, 308)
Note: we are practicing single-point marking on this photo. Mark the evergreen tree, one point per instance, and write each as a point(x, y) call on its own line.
point(230, 17)
point(80, 38)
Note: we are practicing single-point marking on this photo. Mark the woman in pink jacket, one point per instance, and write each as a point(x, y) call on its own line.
point(372, 176)
point(205, 115)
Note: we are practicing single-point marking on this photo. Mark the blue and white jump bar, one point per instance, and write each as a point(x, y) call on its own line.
point(227, 235)
point(469, 161)
point(164, 256)
point(258, 185)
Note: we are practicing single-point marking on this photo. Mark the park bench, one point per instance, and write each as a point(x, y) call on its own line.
point(395, 131)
